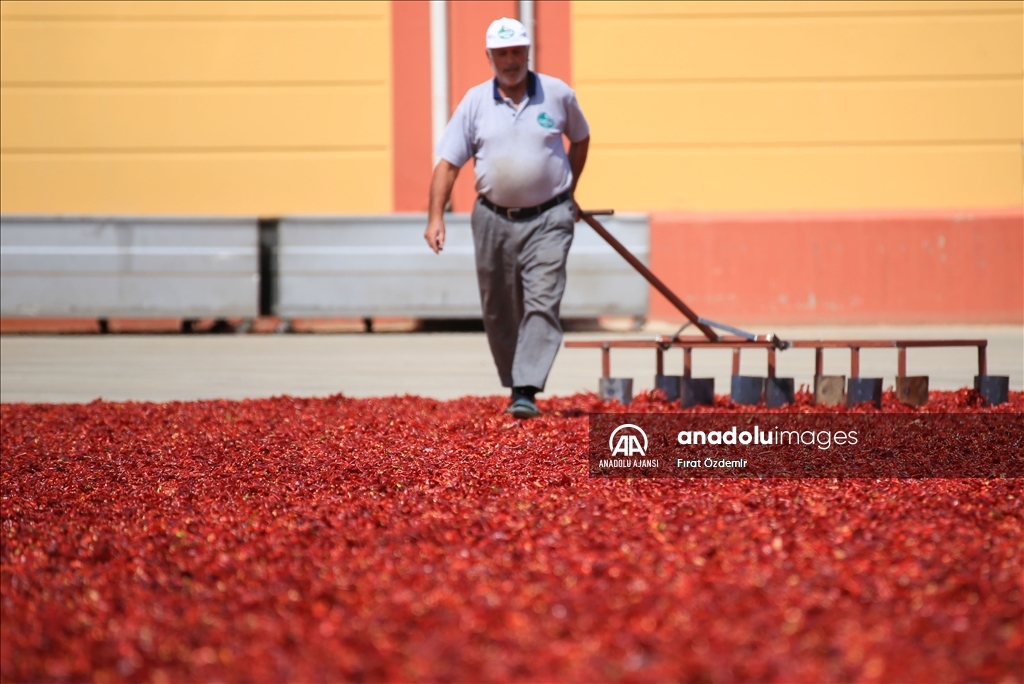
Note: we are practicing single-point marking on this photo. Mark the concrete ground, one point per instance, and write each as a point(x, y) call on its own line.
point(81, 368)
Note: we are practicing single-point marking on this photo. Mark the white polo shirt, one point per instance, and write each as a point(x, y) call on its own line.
point(520, 160)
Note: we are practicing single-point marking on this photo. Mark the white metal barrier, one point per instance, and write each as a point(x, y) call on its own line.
point(345, 266)
point(125, 266)
point(369, 266)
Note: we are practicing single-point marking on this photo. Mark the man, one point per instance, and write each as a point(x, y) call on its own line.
point(523, 218)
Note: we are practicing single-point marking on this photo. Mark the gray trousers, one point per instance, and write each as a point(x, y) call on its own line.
point(520, 266)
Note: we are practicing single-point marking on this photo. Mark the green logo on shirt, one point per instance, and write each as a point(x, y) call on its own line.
point(545, 121)
point(505, 32)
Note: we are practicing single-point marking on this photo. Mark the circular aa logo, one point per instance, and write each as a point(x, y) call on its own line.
point(628, 443)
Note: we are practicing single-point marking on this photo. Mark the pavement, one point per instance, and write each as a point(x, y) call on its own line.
point(442, 365)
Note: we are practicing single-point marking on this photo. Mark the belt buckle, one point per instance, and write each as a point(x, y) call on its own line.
point(510, 211)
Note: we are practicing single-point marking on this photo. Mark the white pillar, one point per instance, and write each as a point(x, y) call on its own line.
point(526, 8)
point(438, 69)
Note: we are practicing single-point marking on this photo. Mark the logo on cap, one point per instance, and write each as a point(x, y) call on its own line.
point(506, 32)
point(545, 121)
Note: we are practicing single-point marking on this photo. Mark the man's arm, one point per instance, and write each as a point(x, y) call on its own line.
point(577, 160)
point(441, 183)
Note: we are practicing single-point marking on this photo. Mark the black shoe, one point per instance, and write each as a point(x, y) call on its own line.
point(523, 407)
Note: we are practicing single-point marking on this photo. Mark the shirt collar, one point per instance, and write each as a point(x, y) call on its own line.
point(531, 86)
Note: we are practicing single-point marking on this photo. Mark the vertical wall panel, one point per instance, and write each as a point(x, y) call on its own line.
point(553, 38)
point(410, 31)
point(801, 106)
point(196, 108)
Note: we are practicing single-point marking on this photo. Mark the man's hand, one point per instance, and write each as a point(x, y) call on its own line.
point(435, 234)
point(441, 183)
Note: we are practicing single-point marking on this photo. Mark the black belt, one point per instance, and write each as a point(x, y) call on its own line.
point(520, 214)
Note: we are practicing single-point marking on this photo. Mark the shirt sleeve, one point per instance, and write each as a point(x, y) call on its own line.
point(576, 126)
point(456, 144)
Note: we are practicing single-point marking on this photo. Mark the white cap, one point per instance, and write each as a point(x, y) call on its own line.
point(506, 32)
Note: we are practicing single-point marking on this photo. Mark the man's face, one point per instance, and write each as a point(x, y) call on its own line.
point(509, 64)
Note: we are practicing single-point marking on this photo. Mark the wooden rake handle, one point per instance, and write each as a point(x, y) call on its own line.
point(588, 216)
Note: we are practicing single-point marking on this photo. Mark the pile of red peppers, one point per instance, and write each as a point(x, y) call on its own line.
point(409, 539)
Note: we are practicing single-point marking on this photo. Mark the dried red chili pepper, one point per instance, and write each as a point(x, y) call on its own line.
point(412, 539)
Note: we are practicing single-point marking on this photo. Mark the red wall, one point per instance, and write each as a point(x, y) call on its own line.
point(856, 267)
point(553, 39)
point(410, 64)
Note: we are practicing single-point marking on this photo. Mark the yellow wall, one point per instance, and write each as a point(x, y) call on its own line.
point(801, 105)
point(262, 108)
